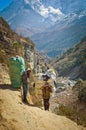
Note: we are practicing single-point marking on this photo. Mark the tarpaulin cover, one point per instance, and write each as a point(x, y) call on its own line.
point(16, 68)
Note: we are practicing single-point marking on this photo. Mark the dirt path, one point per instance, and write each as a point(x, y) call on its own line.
point(14, 115)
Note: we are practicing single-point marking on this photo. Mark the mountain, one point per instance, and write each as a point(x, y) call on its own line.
point(73, 62)
point(64, 34)
point(56, 9)
point(23, 19)
point(48, 23)
point(66, 6)
point(11, 44)
point(14, 114)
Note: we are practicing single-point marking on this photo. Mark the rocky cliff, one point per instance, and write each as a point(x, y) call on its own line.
point(11, 44)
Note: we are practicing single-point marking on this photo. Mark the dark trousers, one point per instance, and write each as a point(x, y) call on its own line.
point(46, 104)
point(25, 90)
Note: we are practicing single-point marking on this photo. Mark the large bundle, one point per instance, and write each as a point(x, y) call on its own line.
point(16, 68)
point(51, 74)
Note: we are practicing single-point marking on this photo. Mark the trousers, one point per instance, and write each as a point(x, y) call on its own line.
point(25, 91)
point(46, 104)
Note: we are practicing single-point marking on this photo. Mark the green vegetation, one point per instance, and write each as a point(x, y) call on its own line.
point(77, 110)
point(73, 114)
point(73, 61)
point(68, 111)
point(80, 88)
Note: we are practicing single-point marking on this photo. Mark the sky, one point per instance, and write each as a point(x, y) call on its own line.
point(4, 4)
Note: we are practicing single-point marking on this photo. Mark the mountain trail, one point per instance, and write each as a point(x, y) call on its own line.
point(15, 115)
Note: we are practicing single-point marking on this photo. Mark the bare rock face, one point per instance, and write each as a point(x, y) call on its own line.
point(12, 44)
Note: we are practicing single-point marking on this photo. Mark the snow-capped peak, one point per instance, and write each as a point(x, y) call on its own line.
point(46, 12)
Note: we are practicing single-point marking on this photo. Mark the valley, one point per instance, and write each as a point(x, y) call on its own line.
point(47, 35)
point(54, 26)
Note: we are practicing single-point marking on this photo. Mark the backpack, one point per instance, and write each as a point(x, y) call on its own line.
point(46, 90)
point(16, 68)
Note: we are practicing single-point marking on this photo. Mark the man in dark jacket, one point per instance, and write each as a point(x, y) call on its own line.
point(25, 81)
point(46, 90)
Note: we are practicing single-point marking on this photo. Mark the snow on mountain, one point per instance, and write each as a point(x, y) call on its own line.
point(56, 21)
point(55, 10)
point(64, 34)
point(23, 19)
point(46, 12)
point(65, 6)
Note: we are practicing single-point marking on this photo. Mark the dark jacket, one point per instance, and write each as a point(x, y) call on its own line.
point(25, 77)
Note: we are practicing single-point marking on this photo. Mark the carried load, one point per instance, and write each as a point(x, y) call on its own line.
point(16, 68)
point(51, 73)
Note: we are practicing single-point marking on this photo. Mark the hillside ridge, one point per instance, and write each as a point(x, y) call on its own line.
point(72, 62)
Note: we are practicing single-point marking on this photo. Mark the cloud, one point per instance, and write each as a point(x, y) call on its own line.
point(54, 11)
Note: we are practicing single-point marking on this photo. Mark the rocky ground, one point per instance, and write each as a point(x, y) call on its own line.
point(15, 115)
